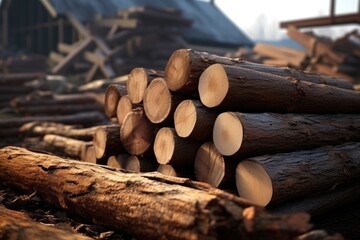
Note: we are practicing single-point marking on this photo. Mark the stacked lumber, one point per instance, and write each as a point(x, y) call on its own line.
point(113, 45)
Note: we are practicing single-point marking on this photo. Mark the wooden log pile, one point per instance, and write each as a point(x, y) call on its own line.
point(113, 45)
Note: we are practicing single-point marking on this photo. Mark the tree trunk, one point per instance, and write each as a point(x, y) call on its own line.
point(242, 89)
point(19, 78)
point(284, 176)
point(85, 119)
point(211, 167)
point(107, 141)
point(139, 204)
point(112, 97)
point(139, 79)
point(43, 128)
point(68, 146)
point(159, 102)
point(194, 121)
point(44, 110)
point(124, 107)
point(18, 226)
point(174, 150)
point(137, 133)
point(185, 66)
point(242, 135)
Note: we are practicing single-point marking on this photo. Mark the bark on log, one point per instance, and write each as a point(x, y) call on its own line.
point(70, 131)
point(107, 141)
point(242, 89)
point(174, 150)
point(211, 167)
point(242, 135)
point(85, 119)
point(132, 202)
point(44, 110)
point(19, 78)
point(194, 121)
point(70, 147)
point(18, 226)
point(159, 102)
point(284, 176)
point(137, 133)
point(139, 79)
point(185, 66)
point(112, 97)
point(124, 107)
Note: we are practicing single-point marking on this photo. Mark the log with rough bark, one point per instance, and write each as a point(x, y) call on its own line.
point(139, 204)
point(112, 97)
point(67, 146)
point(70, 131)
point(185, 66)
point(242, 89)
point(137, 133)
point(107, 141)
point(139, 79)
point(159, 102)
point(211, 167)
point(171, 149)
point(193, 120)
point(19, 78)
point(85, 119)
point(18, 226)
point(124, 107)
point(252, 134)
point(284, 176)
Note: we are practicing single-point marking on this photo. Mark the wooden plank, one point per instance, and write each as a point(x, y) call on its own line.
point(56, 57)
point(80, 28)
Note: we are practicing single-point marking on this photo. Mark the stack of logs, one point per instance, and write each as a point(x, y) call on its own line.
point(279, 135)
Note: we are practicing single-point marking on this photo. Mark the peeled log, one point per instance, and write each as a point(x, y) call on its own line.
point(107, 141)
point(211, 167)
point(284, 176)
point(159, 102)
point(174, 150)
point(112, 97)
point(18, 226)
point(253, 134)
point(139, 204)
point(185, 66)
point(193, 120)
point(241, 89)
point(137, 133)
point(139, 79)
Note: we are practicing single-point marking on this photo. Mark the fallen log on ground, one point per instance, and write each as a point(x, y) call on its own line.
point(139, 204)
point(18, 226)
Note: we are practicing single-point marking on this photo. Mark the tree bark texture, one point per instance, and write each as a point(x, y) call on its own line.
point(148, 205)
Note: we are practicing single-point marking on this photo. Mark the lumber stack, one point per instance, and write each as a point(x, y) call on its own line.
point(113, 45)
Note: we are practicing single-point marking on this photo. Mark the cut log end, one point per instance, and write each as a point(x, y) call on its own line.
point(164, 145)
point(253, 182)
point(209, 165)
point(228, 133)
point(123, 108)
point(99, 141)
point(177, 69)
point(90, 155)
point(185, 118)
point(112, 97)
point(157, 101)
point(167, 170)
point(117, 161)
point(137, 84)
point(213, 85)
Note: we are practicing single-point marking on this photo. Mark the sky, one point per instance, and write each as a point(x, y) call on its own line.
point(259, 19)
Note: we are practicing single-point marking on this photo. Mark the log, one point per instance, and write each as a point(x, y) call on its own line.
point(185, 67)
point(174, 150)
point(68, 146)
point(18, 226)
point(10, 133)
point(159, 102)
point(107, 141)
point(242, 89)
point(124, 107)
point(90, 156)
point(136, 164)
point(137, 133)
point(70, 131)
point(133, 201)
point(19, 78)
point(118, 161)
point(139, 79)
point(285, 176)
point(112, 97)
point(84, 149)
point(242, 135)
point(194, 121)
point(85, 119)
point(58, 109)
point(176, 171)
point(211, 167)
